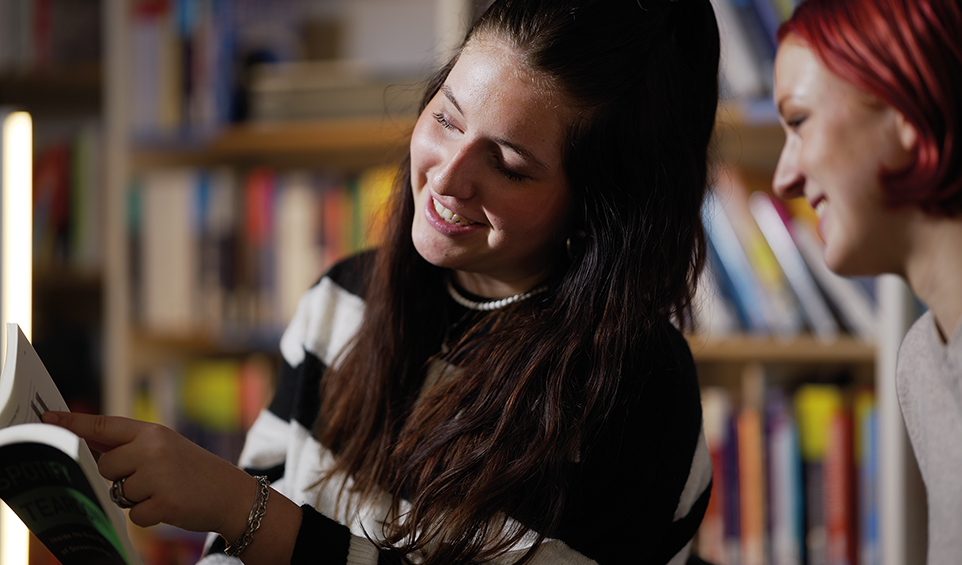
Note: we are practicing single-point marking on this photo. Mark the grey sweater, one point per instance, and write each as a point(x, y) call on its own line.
point(929, 381)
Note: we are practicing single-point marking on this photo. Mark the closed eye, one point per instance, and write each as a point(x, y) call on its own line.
point(511, 175)
point(794, 123)
point(439, 117)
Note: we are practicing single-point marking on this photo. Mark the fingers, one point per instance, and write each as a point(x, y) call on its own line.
point(102, 433)
point(169, 478)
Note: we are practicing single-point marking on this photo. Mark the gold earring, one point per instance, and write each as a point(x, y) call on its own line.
point(574, 245)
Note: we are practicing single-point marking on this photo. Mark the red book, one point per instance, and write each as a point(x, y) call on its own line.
point(840, 521)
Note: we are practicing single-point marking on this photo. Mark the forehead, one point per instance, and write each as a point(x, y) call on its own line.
point(801, 76)
point(490, 81)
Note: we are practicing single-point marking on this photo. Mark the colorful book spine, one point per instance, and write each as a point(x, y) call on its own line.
point(716, 412)
point(840, 494)
point(751, 466)
point(775, 225)
point(785, 481)
point(866, 457)
point(816, 406)
point(734, 267)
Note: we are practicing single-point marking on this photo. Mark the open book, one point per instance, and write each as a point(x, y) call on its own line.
point(47, 474)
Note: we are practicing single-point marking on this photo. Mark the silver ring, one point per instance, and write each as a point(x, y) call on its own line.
point(117, 495)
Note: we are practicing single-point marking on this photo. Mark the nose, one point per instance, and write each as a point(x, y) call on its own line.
point(788, 182)
point(454, 175)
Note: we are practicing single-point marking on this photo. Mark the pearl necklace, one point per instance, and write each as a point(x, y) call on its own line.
point(489, 305)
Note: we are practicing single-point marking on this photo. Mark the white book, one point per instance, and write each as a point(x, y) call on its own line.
point(741, 73)
point(815, 309)
point(169, 251)
point(851, 300)
point(48, 475)
point(297, 241)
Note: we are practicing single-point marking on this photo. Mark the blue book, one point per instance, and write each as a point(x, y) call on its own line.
point(735, 270)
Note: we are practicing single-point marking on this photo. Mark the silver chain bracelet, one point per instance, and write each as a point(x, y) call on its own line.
point(253, 520)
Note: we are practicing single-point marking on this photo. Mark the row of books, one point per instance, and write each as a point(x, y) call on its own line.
point(197, 65)
point(194, 64)
point(748, 40)
point(36, 34)
point(766, 274)
point(795, 473)
point(227, 254)
point(67, 201)
point(182, 67)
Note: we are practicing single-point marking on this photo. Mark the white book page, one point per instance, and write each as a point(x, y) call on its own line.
point(26, 389)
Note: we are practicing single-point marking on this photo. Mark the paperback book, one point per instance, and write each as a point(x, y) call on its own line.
point(48, 475)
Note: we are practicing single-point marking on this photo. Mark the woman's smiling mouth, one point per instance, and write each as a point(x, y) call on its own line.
point(449, 216)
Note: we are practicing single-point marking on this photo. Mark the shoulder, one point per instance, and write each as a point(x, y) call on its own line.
point(658, 416)
point(919, 349)
point(329, 313)
point(646, 476)
point(663, 366)
point(920, 333)
point(352, 273)
point(658, 411)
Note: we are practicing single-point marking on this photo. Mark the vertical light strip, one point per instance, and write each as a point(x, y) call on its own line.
point(16, 277)
point(17, 222)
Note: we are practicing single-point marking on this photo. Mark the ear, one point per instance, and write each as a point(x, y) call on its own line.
point(908, 135)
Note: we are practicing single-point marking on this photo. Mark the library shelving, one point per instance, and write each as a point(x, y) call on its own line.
point(61, 88)
point(348, 146)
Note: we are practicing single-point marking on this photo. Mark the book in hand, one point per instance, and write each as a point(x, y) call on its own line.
point(48, 476)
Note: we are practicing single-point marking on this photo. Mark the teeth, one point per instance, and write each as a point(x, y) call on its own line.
point(449, 216)
point(820, 208)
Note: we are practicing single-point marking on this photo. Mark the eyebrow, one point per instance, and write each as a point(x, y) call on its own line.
point(525, 154)
point(780, 106)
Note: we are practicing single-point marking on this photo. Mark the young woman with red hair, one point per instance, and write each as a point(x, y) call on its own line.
point(870, 97)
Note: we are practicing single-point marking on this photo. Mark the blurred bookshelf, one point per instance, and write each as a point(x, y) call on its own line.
point(345, 144)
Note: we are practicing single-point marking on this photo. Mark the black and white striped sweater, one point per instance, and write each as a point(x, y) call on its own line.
point(638, 496)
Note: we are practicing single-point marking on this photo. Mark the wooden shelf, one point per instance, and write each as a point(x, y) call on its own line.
point(54, 90)
point(345, 144)
point(201, 341)
point(802, 350)
point(745, 142)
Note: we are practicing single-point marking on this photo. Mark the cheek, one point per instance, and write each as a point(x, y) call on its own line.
point(423, 149)
point(537, 219)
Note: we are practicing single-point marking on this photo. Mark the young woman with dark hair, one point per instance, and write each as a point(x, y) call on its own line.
point(503, 380)
point(870, 95)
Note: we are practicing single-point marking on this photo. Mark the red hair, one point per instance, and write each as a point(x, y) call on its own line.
point(908, 53)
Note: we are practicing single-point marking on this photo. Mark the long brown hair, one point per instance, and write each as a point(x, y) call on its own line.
point(546, 372)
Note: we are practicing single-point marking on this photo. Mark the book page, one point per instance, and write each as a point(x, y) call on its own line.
point(26, 389)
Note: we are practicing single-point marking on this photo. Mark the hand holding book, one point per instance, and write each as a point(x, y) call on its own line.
point(169, 478)
point(174, 481)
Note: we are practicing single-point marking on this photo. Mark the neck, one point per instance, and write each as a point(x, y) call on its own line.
point(491, 287)
point(493, 304)
point(934, 271)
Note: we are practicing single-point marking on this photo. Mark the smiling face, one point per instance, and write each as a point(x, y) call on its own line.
point(491, 196)
point(838, 141)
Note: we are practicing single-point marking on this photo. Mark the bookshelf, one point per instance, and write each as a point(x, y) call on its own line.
point(745, 141)
point(60, 85)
